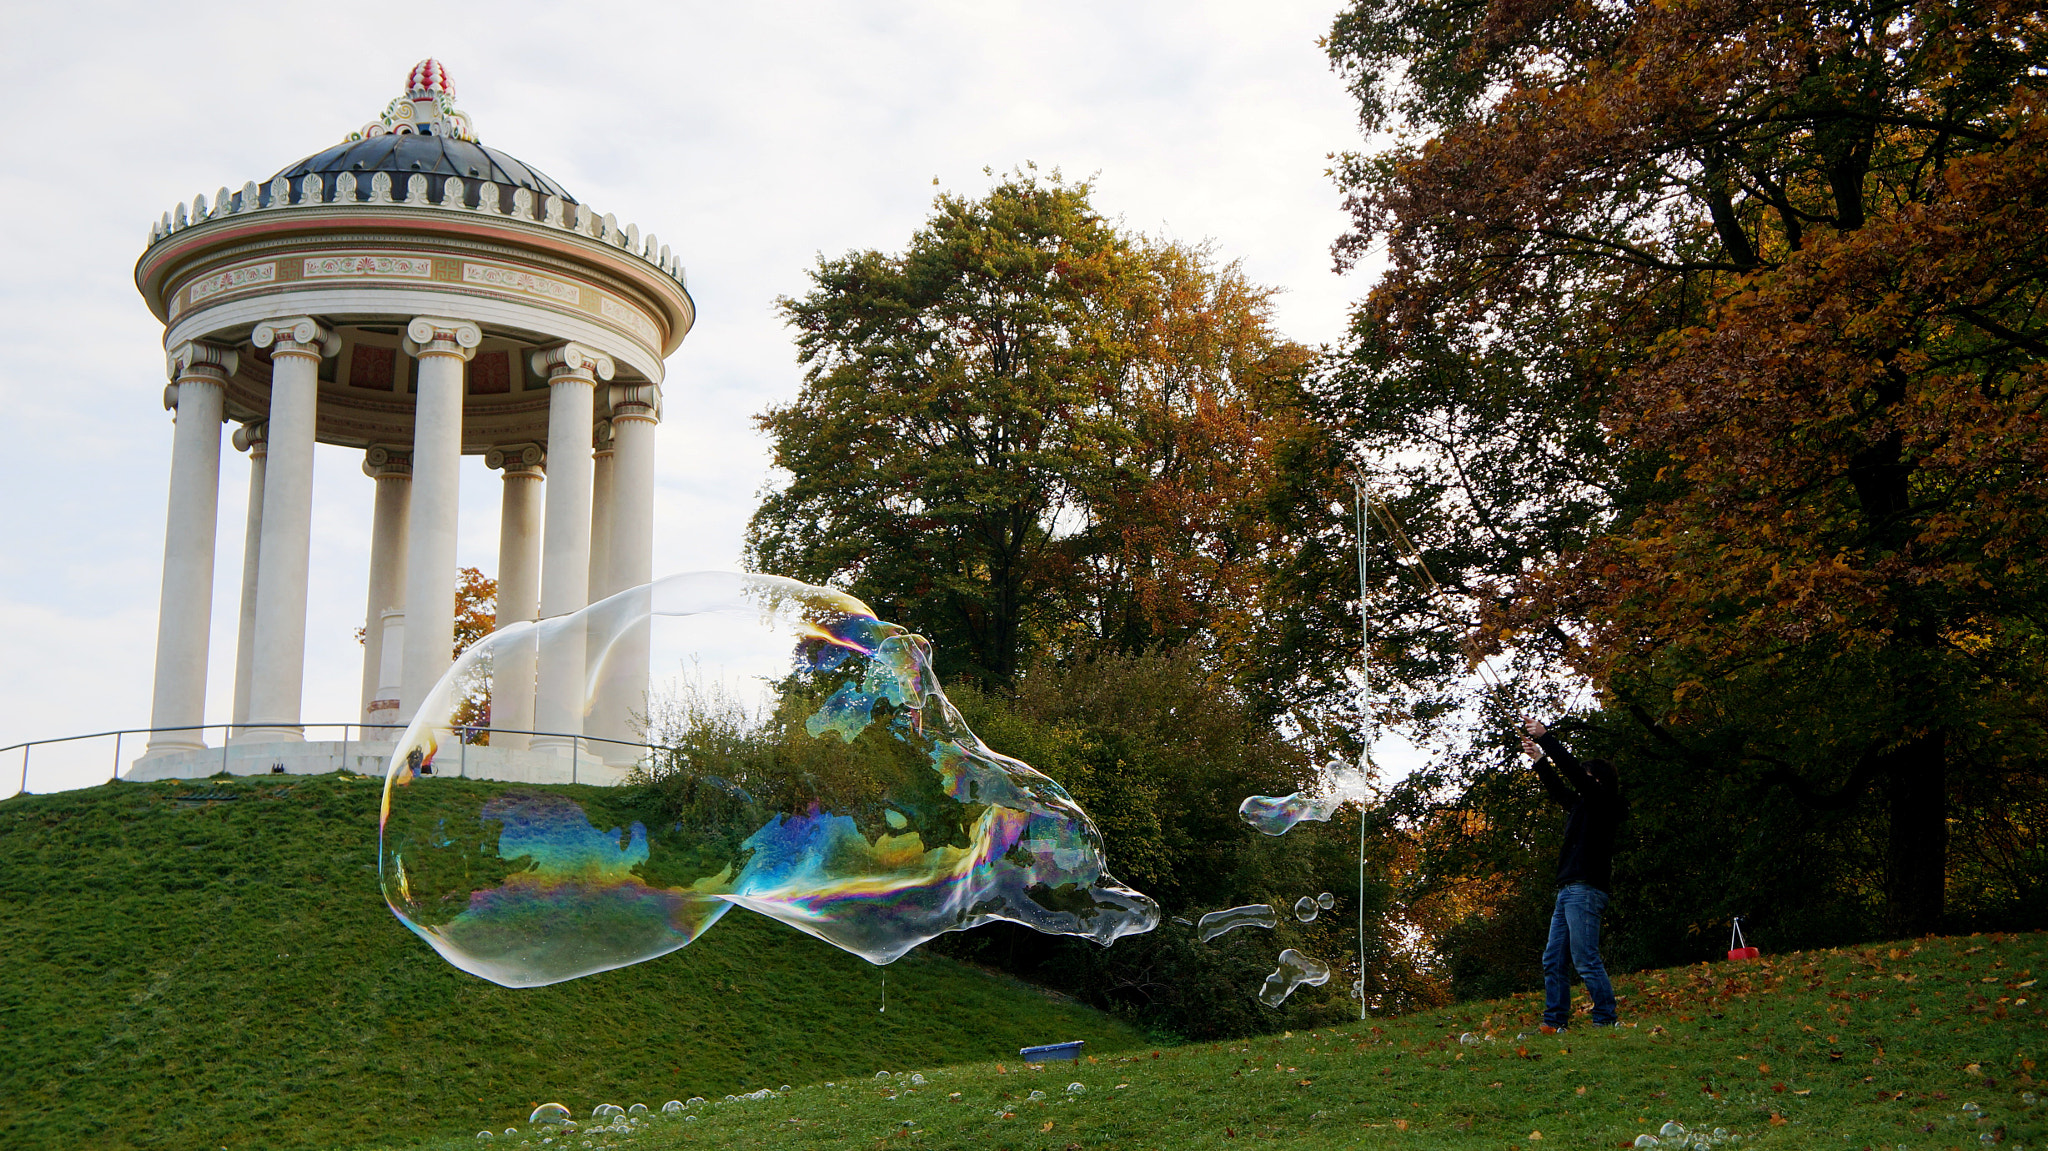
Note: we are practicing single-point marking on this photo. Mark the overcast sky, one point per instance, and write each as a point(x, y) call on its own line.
point(750, 137)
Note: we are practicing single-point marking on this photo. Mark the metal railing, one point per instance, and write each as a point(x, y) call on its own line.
point(466, 734)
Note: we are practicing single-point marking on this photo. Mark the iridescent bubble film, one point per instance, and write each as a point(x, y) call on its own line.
point(809, 768)
point(1231, 918)
point(1336, 784)
point(1295, 970)
point(1306, 909)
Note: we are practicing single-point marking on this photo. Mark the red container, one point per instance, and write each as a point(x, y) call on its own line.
point(1744, 953)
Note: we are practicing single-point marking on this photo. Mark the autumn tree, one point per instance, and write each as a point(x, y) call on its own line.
point(1710, 355)
point(476, 616)
point(1031, 432)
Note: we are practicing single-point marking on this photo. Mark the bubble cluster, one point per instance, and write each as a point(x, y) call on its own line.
point(1295, 970)
point(848, 799)
point(1231, 918)
point(1336, 784)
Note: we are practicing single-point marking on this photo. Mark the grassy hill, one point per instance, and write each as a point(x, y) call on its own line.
point(1919, 1045)
point(209, 964)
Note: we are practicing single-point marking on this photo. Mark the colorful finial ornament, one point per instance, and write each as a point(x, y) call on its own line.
point(426, 109)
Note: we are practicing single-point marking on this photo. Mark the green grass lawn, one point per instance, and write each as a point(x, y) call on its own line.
point(209, 964)
point(1875, 1047)
point(183, 970)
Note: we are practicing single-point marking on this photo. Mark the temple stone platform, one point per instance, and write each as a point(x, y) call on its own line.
point(320, 757)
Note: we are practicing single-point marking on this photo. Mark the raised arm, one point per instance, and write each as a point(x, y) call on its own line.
point(1537, 752)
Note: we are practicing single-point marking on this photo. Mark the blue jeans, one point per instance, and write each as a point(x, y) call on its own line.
point(1575, 937)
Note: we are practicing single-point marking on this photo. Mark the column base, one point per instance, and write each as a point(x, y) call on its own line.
point(279, 734)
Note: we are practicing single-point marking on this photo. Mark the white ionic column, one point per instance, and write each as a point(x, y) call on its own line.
point(622, 692)
point(601, 511)
point(573, 372)
point(249, 438)
point(392, 469)
point(198, 393)
point(277, 667)
point(442, 347)
point(519, 527)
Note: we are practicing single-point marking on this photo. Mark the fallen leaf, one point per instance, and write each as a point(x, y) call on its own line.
point(1535, 1134)
point(1779, 1088)
point(1580, 1091)
point(1777, 1120)
point(1400, 1125)
point(1763, 1067)
point(1047, 1127)
point(1808, 1091)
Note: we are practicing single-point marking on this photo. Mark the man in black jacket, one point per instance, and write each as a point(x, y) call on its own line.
point(1591, 793)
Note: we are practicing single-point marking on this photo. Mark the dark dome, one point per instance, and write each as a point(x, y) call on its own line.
point(403, 153)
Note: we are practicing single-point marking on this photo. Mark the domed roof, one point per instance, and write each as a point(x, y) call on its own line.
point(422, 131)
point(402, 155)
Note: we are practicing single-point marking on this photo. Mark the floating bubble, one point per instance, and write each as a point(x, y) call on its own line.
point(550, 1113)
point(1672, 1129)
point(1335, 785)
point(1077, 1089)
point(1295, 969)
point(1184, 921)
point(834, 788)
point(641, 1108)
point(1306, 909)
point(1231, 918)
point(1326, 901)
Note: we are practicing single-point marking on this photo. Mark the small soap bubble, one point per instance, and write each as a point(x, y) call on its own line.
point(1468, 1039)
point(1720, 1133)
point(606, 1111)
point(881, 1074)
point(511, 1132)
point(1971, 1108)
point(1295, 969)
point(551, 1113)
point(1326, 901)
point(1077, 1089)
point(1337, 783)
point(485, 1135)
point(2029, 1098)
point(1035, 1095)
point(916, 1080)
point(1646, 1141)
point(1306, 909)
point(638, 1109)
point(1987, 1137)
point(697, 1099)
point(590, 884)
point(785, 1087)
point(689, 1118)
point(672, 1107)
point(1231, 918)
point(1672, 1130)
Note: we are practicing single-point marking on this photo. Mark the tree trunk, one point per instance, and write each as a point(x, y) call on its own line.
point(1916, 864)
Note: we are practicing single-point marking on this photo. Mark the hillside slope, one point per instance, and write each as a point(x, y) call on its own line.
point(1926, 1044)
point(209, 964)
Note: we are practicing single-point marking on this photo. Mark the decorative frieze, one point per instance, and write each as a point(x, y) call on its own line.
point(513, 280)
point(630, 318)
point(368, 264)
point(248, 275)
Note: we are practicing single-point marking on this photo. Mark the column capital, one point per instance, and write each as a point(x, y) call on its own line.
point(529, 460)
point(296, 336)
point(572, 363)
point(380, 461)
point(441, 336)
point(253, 437)
point(601, 438)
point(200, 360)
point(636, 402)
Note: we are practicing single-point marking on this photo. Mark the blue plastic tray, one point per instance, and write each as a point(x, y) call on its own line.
point(1053, 1051)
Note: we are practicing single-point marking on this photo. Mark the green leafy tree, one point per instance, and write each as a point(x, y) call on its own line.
point(1033, 433)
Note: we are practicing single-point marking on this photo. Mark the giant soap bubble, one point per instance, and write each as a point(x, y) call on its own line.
point(814, 773)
